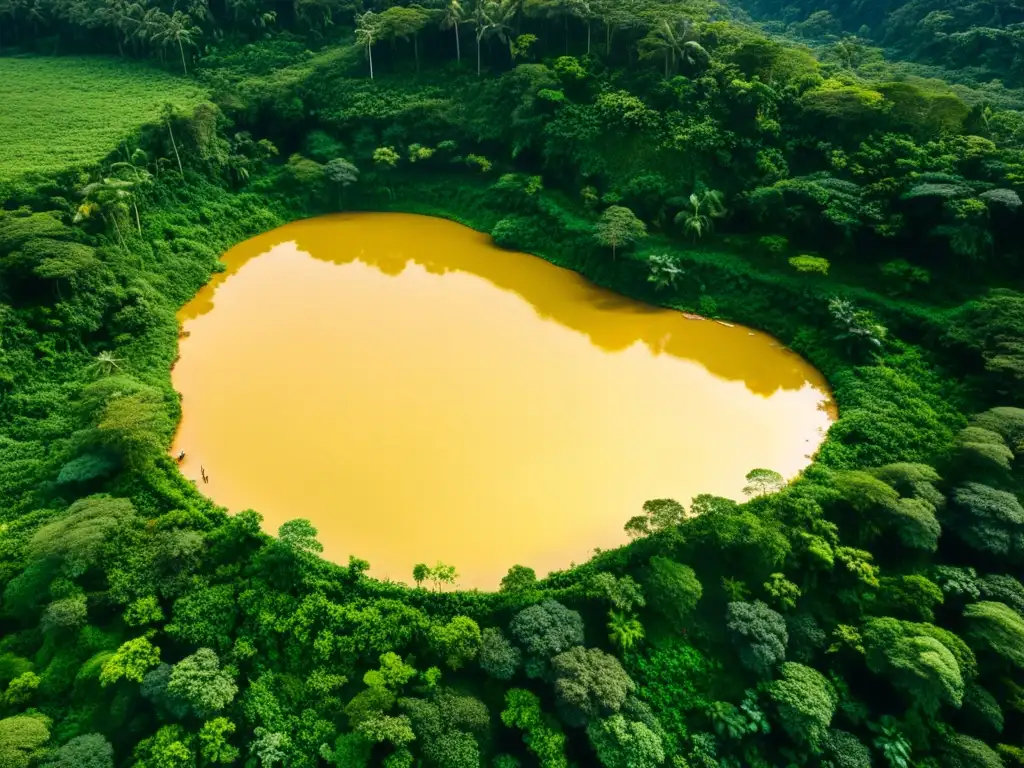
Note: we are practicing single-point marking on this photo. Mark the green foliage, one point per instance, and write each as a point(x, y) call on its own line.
point(664, 271)
point(814, 265)
point(89, 751)
point(659, 515)
point(130, 661)
point(672, 679)
point(912, 596)
point(392, 674)
point(916, 661)
point(806, 703)
point(966, 752)
point(22, 740)
point(908, 185)
point(213, 742)
point(618, 227)
point(78, 538)
point(543, 737)
point(498, 657)
point(674, 590)
point(987, 519)
point(519, 577)
point(762, 481)
point(199, 681)
point(846, 751)
point(543, 631)
point(988, 329)
point(624, 629)
point(623, 593)
point(782, 591)
point(589, 684)
point(622, 743)
point(457, 642)
point(759, 634)
point(998, 628)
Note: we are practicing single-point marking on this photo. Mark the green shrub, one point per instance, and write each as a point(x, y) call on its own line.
point(810, 264)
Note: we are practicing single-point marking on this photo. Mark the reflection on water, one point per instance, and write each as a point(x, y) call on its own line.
point(421, 395)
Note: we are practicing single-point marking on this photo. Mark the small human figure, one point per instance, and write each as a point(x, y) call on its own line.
point(181, 456)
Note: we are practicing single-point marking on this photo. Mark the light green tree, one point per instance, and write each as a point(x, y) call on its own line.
point(763, 481)
point(368, 32)
point(806, 702)
point(199, 680)
point(457, 642)
point(130, 662)
point(22, 740)
point(624, 629)
point(214, 747)
point(618, 227)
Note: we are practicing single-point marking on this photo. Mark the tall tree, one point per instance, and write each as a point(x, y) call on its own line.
point(480, 18)
point(404, 22)
point(367, 33)
point(175, 29)
point(451, 16)
point(675, 41)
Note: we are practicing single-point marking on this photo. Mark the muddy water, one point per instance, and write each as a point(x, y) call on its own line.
point(422, 395)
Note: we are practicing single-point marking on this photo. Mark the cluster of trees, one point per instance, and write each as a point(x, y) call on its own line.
point(871, 613)
point(981, 36)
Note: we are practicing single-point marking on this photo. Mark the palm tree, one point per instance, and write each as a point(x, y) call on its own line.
point(135, 166)
point(502, 15)
point(624, 629)
point(582, 10)
point(452, 16)
point(175, 29)
point(674, 41)
point(480, 18)
point(168, 114)
point(125, 18)
point(367, 29)
point(703, 208)
point(105, 364)
point(110, 197)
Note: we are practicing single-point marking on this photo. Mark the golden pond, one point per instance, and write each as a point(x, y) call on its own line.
point(420, 395)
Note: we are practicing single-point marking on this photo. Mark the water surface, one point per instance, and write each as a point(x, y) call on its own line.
point(422, 395)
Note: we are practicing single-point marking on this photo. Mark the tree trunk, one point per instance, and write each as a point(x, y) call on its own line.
point(182, 50)
point(588, 37)
point(138, 223)
point(416, 51)
point(666, 65)
point(369, 52)
point(458, 49)
point(478, 55)
point(174, 144)
point(113, 218)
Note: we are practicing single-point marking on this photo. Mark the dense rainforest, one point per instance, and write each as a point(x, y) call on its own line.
point(844, 176)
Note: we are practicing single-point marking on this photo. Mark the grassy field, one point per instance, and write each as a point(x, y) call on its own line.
point(59, 113)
